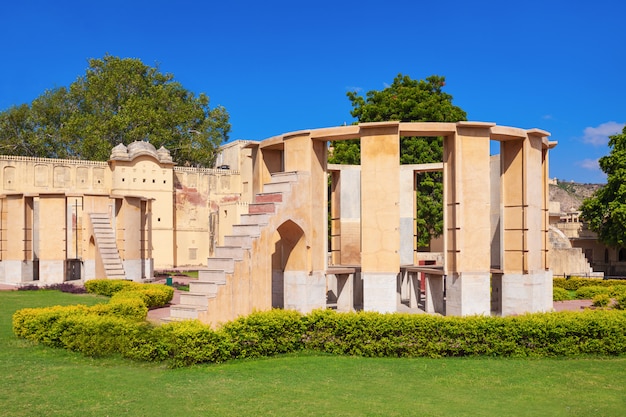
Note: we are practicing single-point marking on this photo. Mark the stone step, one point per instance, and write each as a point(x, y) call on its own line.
point(255, 208)
point(235, 252)
point(277, 187)
point(268, 198)
point(288, 176)
point(201, 287)
point(109, 251)
point(212, 276)
point(253, 230)
point(254, 218)
point(225, 264)
point(244, 241)
point(185, 311)
point(108, 241)
point(194, 299)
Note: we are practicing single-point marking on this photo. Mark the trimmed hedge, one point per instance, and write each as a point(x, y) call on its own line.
point(153, 295)
point(600, 332)
point(120, 327)
point(573, 284)
point(560, 294)
point(108, 287)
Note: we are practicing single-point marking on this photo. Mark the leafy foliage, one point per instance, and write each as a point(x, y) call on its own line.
point(409, 100)
point(152, 295)
point(605, 211)
point(560, 294)
point(118, 100)
point(95, 332)
point(575, 283)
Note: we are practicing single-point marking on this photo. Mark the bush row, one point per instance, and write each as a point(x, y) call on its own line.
point(96, 333)
point(575, 283)
point(153, 295)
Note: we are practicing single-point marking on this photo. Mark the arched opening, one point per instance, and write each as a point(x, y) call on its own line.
point(289, 265)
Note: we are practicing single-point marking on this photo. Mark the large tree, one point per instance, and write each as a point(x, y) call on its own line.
point(605, 211)
point(118, 100)
point(409, 100)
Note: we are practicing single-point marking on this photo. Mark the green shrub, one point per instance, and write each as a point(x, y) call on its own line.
point(265, 333)
point(125, 305)
point(156, 295)
point(95, 335)
point(587, 293)
point(620, 302)
point(601, 300)
point(108, 287)
point(190, 342)
point(45, 325)
point(102, 330)
point(617, 290)
point(548, 334)
point(153, 295)
point(560, 294)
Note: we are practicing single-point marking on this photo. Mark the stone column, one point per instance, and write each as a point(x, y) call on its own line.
point(305, 271)
point(525, 280)
point(380, 214)
point(52, 241)
point(407, 215)
point(467, 219)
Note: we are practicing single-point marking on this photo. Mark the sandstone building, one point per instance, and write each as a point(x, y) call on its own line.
point(263, 222)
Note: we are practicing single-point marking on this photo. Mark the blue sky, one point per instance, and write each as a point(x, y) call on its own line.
point(280, 66)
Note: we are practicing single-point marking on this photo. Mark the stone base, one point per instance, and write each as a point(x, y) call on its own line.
point(303, 291)
point(15, 272)
point(380, 291)
point(468, 293)
point(51, 272)
point(89, 269)
point(526, 293)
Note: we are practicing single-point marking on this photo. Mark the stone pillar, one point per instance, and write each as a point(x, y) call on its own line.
point(380, 214)
point(467, 219)
point(350, 216)
point(407, 215)
point(16, 265)
point(525, 281)
point(305, 270)
point(52, 243)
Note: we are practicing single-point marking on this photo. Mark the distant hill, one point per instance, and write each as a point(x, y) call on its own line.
point(571, 194)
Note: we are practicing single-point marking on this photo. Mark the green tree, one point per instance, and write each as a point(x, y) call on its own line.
point(409, 100)
point(605, 211)
point(118, 100)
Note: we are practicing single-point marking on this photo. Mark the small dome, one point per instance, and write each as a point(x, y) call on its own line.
point(139, 148)
point(164, 155)
point(119, 153)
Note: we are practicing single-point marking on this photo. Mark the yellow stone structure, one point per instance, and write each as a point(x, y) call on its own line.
point(262, 221)
point(64, 220)
point(495, 253)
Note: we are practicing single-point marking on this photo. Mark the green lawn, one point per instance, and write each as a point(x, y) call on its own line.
point(39, 381)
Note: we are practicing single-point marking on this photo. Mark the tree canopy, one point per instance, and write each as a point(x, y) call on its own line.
point(605, 211)
point(409, 100)
point(118, 100)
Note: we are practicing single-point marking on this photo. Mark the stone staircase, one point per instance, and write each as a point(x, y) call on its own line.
point(237, 248)
point(106, 245)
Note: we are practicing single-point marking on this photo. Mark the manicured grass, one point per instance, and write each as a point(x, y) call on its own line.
point(37, 381)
